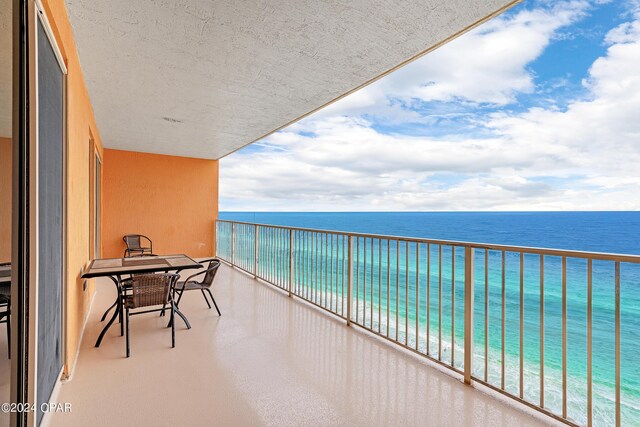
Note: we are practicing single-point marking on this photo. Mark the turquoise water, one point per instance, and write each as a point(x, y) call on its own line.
point(604, 232)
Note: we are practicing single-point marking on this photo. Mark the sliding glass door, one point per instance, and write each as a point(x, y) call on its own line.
point(38, 248)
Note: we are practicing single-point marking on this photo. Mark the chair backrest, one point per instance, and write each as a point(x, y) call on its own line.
point(152, 289)
point(212, 269)
point(132, 241)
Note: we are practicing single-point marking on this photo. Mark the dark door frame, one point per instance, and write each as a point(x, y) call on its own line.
point(20, 257)
point(20, 254)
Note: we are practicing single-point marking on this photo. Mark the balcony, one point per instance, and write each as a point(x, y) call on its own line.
point(268, 360)
point(286, 352)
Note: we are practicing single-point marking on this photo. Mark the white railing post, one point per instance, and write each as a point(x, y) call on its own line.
point(290, 262)
point(350, 280)
point(255, 251)
point(468, 313)
point(233, 243)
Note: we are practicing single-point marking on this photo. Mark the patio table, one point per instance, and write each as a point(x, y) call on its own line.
point(114, 268)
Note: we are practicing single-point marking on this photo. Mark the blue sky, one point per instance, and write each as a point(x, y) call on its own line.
point(535, 110)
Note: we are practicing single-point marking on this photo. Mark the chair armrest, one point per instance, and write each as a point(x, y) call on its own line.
point(202, 262)
point(194, 275)
point(148, 240)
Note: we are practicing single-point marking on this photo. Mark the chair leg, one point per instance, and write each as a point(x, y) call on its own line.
point(173, 326)
point(171, 314)
point(127, 338)
point(164, 306)
point(205, 298)
point(179, 297)
point(173, 298)
point(214, 301)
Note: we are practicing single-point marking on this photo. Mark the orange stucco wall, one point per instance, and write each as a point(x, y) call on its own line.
point(173, 200)
point(5, 199)
point(81, 126)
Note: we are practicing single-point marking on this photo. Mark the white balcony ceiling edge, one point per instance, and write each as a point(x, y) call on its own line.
point(202, 78)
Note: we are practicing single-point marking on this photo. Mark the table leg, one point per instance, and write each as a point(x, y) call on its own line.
point(104, 316)
point(116, 313)
point(184, 318)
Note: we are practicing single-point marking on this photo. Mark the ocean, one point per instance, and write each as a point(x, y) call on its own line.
point(614, 232)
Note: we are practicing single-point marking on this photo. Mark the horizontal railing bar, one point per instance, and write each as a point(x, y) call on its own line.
point(602, 256)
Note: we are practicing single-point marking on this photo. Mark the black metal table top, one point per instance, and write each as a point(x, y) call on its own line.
point(143, 264)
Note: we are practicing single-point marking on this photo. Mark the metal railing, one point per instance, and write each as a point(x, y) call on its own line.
point(518, 320)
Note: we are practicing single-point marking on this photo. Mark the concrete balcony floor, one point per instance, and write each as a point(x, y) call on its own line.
point(269, 360)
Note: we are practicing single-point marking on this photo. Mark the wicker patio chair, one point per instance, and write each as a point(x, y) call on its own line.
point(135, 246)
point(125, 284)
point(203, 286)
point(147, 291)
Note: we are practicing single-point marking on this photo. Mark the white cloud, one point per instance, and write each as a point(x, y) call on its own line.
point(584, 157)
point(601, 135)
point(489, 64)
point(486, 65)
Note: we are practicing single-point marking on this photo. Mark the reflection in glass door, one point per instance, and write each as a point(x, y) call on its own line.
point(5, 269)
point(6, 188)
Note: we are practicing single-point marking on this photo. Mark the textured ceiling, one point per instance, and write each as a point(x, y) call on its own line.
point(202, 78)
point(5, 68)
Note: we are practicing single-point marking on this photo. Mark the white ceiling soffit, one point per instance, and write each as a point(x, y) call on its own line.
point(202, 78)
point(6, 72)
